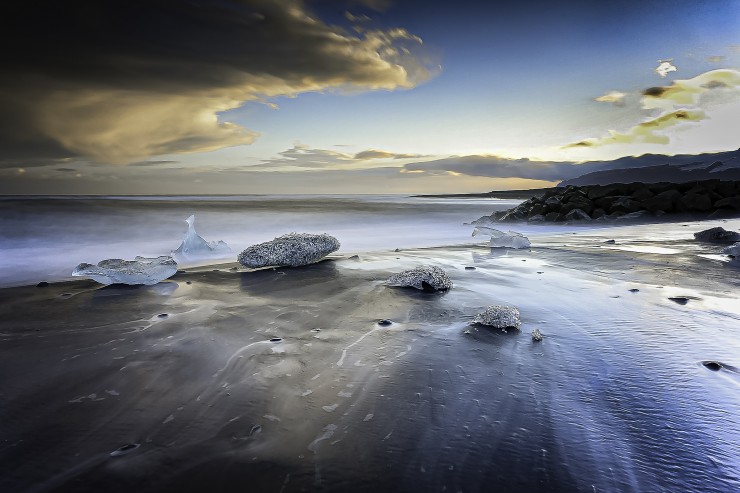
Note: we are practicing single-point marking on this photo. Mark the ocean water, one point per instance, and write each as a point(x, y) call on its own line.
point(282, 380)
point(44, 238)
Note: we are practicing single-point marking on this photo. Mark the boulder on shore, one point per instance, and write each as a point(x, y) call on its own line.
point(291, 250)
point(425, 277)
point(499, 317)
point(717, 235)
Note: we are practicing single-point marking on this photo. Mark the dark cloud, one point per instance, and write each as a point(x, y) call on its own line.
point(118, 81)
point(656, 91)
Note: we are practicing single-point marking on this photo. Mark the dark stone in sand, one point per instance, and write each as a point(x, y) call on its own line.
point(42, 284)
point(188, 282)
point(634, 290)
point(291, 250)
point(384, 322)
point(125, 449)
point(681, 300)
point(610, 242)
point(276, 339)
point(712, 365)
point(162, 315)
point(717, 235)
point(469, 268)
point(354, 257)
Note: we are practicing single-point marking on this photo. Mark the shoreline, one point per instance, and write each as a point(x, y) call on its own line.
point(282, 377)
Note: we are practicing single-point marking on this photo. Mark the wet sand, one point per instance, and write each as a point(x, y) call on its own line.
point(282, 380)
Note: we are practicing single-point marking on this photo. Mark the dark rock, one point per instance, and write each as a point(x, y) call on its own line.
point(42, 284)
point(694, 202)
point(605, 202)
point(728, 203)
point(384, 322)
point(610, 242)
point(597, 213)
point(553, 202)
point(642, 193)
point(607, 191)
point(626, 205)
point(536, 219)
point(162, 315)
point(276, 339)
point(712, 365)
point(681, 300)
point(634, 290)
point(577, 215)
point(726, 188)
point(717, 235)
point(551, 216)
point(578, 202)
point(469, 268)
point(664, 201)
point(125, 449)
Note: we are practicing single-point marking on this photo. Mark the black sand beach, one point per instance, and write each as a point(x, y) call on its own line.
point(281, 380)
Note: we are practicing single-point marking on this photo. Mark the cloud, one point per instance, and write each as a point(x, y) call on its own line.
point(665, 67)
point(699, 99)
point(376, 154)
point(85, 83)
point(302, 156)
point(716, 59)
point(614, 97)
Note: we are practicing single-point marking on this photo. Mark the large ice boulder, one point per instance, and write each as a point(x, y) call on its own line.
point(194, 247)
point(424, 277)
point(499, 317)
point(141, 270)
point(501, 239)
point(291, 250)
point(717, 235)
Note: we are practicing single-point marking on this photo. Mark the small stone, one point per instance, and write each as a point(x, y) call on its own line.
point(276, 339)
point(681, 300)
point(384, 322)
point(712, 365)
point(610, 242)
point(469, 268)
point(634, 290)
point(536, 335)
point(42, 284)
point(162, 315)
point(125, 449)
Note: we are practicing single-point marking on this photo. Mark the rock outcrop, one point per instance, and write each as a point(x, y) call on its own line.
point(709, 198)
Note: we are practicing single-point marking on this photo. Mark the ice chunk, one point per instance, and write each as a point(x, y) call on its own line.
point(732, 250)
point(500, 239)
point(499, 316)
point(291, 250)
point(141, 270)
point(193, 246)
point(717, 235)
point(426, 277)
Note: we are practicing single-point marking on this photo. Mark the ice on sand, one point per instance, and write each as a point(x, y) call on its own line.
point(499, 316)
point(501, 239)
point(291, 250)
point(732, 250)
point(425, 277)
point(193, 246)
point(141, 270)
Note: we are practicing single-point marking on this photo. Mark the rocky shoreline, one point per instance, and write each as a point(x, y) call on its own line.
point(711, 199)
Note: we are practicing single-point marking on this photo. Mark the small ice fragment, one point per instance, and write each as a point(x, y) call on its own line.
point(499, 316)
point(125, 449)
point(717, 235)
point(368, 417)
point(328, 433)
point(425, 277)
point(330, 409)
point(732, 250)
point(536, 335)
point(344, 394)
point(141, 270)
point(168, 419)
point(500, 239)
point(193, 246)
point(112, 392)
point(271, 417)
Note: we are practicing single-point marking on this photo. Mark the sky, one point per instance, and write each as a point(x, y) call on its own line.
point(355, 96)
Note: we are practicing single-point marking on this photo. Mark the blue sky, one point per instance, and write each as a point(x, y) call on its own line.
point(514, 81)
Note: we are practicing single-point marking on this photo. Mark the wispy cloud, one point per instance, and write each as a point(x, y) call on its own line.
point(665, 67)
point(303, 156)
point(129, 95)
point(614, 97)
point(702, 100)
